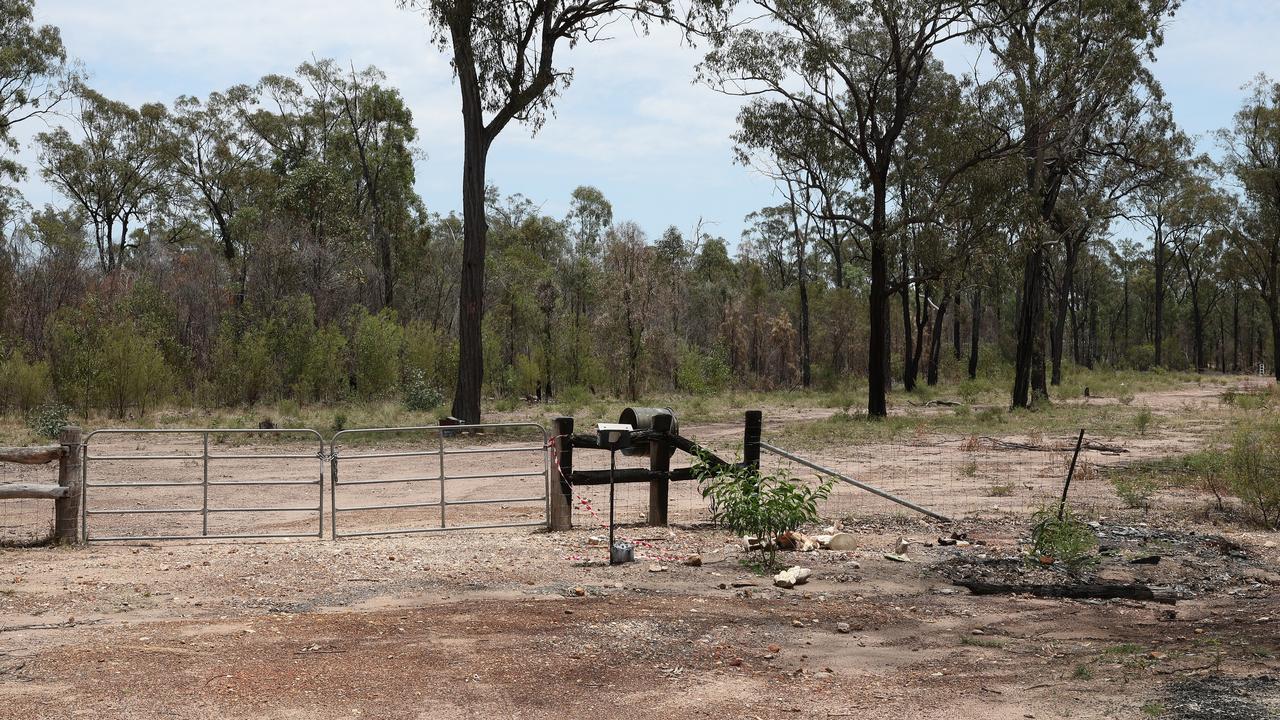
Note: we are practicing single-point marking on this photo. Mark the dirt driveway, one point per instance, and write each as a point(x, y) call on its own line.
point(523, 624)
point(516, 624)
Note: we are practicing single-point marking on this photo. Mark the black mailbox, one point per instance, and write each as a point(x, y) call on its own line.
point(641, 418)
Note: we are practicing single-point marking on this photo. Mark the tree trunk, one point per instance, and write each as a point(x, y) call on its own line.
point(1092, 347)
point(975, 331)
point(1028, 327)
point(1197, 321)
point(955, 328)
point(1275, 335)
point(935, 344)
point(908, 374)
point(1235, 329)
point(1158, 257)
point(922, 320)
point(878, 348)
point(1060, 313)
point(475, 230)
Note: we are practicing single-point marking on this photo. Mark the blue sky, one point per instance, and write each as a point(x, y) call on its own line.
point(632, 123)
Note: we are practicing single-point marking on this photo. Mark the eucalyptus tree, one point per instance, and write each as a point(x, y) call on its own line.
point(220, 163)
point(589, 217)
point(114, 173)
point(504, 59)
point(1156, 205)
point(1199, 240)
point(1137, 151)
point(377, 138)
point(1064, 64)
point(1252, 149)
point(853, 70)
point(34, 77)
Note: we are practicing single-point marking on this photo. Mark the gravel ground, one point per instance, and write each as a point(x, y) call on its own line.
point(517, 624)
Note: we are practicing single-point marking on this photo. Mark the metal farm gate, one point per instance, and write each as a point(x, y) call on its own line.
point(201, 494)
point(413, 486)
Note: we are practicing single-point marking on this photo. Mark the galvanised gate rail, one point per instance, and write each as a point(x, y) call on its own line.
point(91, 487)
point(418, 496)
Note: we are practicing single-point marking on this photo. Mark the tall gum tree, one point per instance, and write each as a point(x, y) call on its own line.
point(503, 56)
point(1252, 148)
point(854, 71)
point(1065, 65)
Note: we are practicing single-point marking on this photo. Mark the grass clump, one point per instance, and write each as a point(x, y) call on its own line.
point(1064, 539)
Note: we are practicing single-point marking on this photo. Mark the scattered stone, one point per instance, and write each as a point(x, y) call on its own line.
point(1269, 544)
point(797, 623)
point(842, 627)
point(899, 553)
point(655, 568)
point(792, 576)
point(775, 648)
point(579, 592)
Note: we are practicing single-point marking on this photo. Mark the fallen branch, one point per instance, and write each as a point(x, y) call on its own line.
point(47, 626)
point(1088, 590)
point(998, 444)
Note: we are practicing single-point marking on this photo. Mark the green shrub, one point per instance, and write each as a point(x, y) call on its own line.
point(48, 421)
point(133, 370)
point(1143, 420)
point(23, 385)
point(701, 373)
point(419, 394)
point(246, 369)
point(750, 503)
point(1067, 541)
point(378, 342)
point(1141, 357)
point(430, 351)
point(324, 374)
point(1254, 467)
point(1136, 491)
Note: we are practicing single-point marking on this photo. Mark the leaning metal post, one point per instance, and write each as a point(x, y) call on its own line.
point(1062, 506)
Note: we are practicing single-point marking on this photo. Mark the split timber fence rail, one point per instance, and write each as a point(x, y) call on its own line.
point(36, 521)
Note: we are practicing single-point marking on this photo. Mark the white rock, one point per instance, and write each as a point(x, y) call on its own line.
point(792, 576)
point(843, 541)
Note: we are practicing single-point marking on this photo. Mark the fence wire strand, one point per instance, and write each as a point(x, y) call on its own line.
point(27, 521)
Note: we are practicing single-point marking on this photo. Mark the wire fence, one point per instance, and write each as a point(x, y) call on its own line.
point(26, 521)
point(970, 476)
point(957, 476)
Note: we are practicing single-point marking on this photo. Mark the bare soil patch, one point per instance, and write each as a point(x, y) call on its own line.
point(524, 624)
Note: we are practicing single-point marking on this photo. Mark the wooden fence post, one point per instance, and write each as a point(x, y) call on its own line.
point(751, 439)
point(561, 510)
point(659, 461)
point(66, 526)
